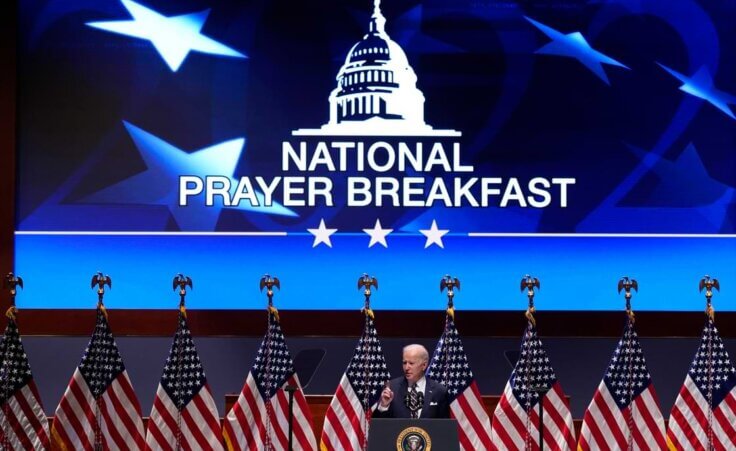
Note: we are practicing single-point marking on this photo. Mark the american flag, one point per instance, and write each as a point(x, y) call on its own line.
point(348, 416)
point(450, 367)
point(99, 409)
point(704, 415)
point(24, 423)
point(259, 419)
point(184, 414)
point(516, 418)
point(624, 412)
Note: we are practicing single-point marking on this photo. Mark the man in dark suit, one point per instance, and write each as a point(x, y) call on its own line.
point(413, 395)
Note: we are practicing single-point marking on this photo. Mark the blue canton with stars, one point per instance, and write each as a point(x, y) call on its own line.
point(449, 364)
point(273, 364)
point(627, 375)
point(183, 374)
point(15, 371)
point(533, 374)
point(367, 370)
point(712, 369)
point(101, 362)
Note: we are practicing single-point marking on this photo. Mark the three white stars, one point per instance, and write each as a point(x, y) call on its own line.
point(378, 235)
point(434, 235)
point(322, 234)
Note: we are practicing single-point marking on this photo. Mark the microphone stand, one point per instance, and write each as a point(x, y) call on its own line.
point(540, 390)
point(290, 389)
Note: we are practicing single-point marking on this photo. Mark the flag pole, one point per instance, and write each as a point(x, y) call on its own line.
point(365, 282)
point(709, 283)
point(448, 283)
point(99, 280)
point(627, 284)
point(268, 282)
point(10, 283)
point(530, 283)
point(181, 282)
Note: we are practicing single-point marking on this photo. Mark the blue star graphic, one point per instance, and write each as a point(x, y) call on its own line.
point(174, 37)
point(574, 45)
point(684, 182)
point(701, 86)
point(158, 185)
point(686, 199)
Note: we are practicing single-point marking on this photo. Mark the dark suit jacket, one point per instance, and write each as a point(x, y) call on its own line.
point(436, 404)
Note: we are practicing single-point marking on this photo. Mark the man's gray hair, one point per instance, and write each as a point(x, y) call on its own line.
point(417, 349)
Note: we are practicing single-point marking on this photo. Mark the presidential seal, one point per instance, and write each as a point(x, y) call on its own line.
point(413, 439)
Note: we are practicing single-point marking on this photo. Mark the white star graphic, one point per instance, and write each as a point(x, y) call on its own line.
point(322, 234)
point(174, 37)
point(378, 234)
point(434, 235)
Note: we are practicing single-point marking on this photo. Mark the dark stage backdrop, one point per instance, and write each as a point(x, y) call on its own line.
point(575, 140)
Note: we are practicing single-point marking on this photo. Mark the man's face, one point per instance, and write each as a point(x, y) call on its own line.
point(414, 366)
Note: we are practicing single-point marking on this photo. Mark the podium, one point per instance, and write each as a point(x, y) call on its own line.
point(422, 434)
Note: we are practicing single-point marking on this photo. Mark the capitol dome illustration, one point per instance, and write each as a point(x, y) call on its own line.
point(376, 91)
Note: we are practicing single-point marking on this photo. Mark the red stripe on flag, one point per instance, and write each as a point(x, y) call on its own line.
point(40, 428)
point(158, 436)
point(342, 437)
point(636, 436)
point(237, 411)
point(534, 420)
point(500, 430)
point(122, 412)
point(131, 400)
point(279, 403)
point(651, 424)
point(304, 412)
point(557, 417)
point(74, 421)
point(676, 416)
point(17, 427)
point(160, 407)
point(259, 424)
point(194, 431)
point(600, 440)
point(727, 422)
point(109, 420)
point(213, 422)
point(697, 413)
point(472, 416)
point(231, 440)
point(610, 418)
point(515, 421)
point(465, 443)
point(353, 416)
point(124, 382)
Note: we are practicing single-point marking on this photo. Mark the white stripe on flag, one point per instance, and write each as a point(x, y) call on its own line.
point(156, 420)
point(607, 429)
point(344, 417)
point(37, 411)
point(553, 402)
point(78, 409)
point(200, 422)
point(481, 416)
point(518, 437)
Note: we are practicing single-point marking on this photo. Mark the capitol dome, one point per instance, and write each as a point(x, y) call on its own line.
point(376, 91)
point(376, 81)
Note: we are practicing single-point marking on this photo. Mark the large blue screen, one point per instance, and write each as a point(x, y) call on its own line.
point(578, 141)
